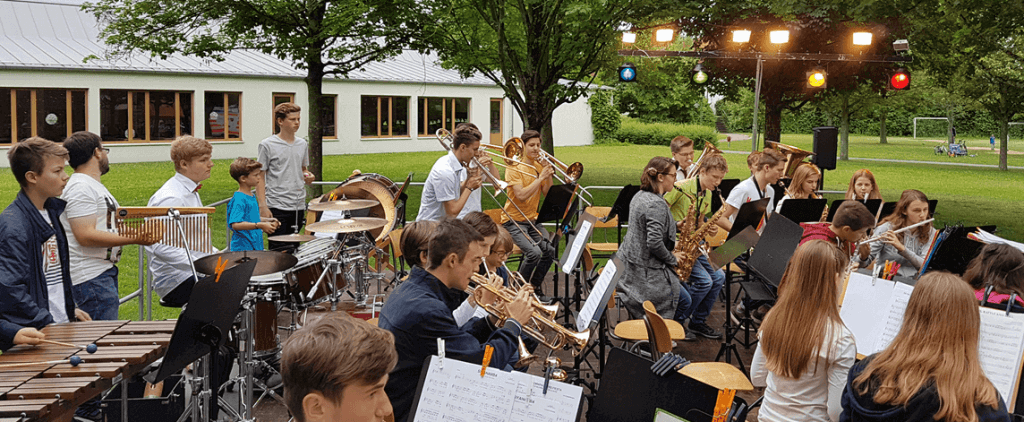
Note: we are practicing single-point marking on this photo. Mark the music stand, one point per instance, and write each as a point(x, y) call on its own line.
point(749, 214)
point(202, 328)
point(872, 204)
point(956, 251)
point(733, 248)
point(576, 242)
point(620, 207)
point(804, 210)
point(631, 392)
point(778, 242)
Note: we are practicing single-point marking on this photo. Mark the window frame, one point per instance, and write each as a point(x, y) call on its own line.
point(130, 93)
point(226, 95)
point(446, 104)
point(273, 105)
point(34, 112)
point(390, 115)
point(334, 101)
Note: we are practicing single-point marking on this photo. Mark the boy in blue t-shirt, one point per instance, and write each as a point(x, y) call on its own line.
point(244, 210)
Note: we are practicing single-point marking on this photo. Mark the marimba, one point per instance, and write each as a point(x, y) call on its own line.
point(52, 391)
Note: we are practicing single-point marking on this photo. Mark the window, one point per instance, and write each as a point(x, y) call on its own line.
point(151, 115)
point(215, 115)
point(53, 114)
point(436, 113)
point(328, 112)
point(384, 117)
point(280, 97)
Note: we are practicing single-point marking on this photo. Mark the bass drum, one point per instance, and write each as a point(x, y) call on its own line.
point(370, 186)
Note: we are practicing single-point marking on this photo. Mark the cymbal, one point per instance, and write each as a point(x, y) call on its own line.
point(295, 237)
point(347, 225)
point(342, 205)
point(267, 262)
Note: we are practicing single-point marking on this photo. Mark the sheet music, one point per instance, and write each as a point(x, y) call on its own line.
point(893, 319)
point(578, 243)
point(596, 296)
point(860, 311)
point(987, 237)
point(1000, 347)
point(458, 393)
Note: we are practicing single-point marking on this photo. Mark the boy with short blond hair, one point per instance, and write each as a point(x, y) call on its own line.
point(35, 278)
point(335, 369)
point(244, 210)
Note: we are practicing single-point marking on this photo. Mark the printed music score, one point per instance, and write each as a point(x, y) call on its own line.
point(873, 311)
point(578, 242)
point(458, 393)
point(1000, 348)
point(596, 295)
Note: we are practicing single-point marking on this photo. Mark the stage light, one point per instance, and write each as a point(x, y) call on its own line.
point(629, 37)
point(862, 38)
point(899, 80)
point(779, 37)
point(816, 79)
point(741, 35)
point(699, 75)
point(627, 72)
point(663, 35)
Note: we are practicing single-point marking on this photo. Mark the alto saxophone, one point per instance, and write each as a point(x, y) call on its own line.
point(688, 246)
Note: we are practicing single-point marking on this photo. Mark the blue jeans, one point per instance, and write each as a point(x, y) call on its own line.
point(705, 283)
point(98, 297)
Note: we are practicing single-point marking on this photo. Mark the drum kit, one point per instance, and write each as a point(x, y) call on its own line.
point(322, 270)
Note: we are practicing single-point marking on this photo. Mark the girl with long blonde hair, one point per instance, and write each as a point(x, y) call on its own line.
point(804, 184)
point(805, 351)
point(930, 371)
point(863, 184)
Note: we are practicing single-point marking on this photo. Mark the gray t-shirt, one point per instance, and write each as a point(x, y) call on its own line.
point(282, 162)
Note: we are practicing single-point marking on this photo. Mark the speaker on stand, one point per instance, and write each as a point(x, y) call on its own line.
point(826, 140)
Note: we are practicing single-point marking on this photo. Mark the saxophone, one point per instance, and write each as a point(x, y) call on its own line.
point(688, 246)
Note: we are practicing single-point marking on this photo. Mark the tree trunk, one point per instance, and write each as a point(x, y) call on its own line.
point(314, 88)
point(844, 128)
point(882, 132)
point(773, 116)
point(1004, 141)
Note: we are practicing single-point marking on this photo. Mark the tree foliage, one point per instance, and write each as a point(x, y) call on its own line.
point(541, 53)
point(325, 38)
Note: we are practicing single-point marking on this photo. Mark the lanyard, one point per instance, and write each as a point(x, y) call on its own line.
point(757, 186)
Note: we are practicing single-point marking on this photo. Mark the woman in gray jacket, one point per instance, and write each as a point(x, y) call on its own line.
point(646, 252)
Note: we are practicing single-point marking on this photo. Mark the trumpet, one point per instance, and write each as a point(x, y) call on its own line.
point(539, 322)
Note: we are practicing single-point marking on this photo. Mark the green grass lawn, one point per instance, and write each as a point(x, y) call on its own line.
point(901, 148)
point(967, 195)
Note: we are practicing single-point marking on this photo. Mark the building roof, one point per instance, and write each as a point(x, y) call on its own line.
point(57, 34)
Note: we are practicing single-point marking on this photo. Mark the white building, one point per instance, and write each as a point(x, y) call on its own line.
point(47, 90)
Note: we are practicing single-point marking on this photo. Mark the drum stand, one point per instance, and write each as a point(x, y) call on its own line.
point(247, 363)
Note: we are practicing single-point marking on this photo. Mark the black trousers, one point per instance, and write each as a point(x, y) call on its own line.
point(291, 222)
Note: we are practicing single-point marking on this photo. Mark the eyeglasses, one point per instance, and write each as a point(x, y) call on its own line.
point(106, 150)
point(501, 253)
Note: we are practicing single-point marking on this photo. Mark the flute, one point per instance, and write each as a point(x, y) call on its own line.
point(876, 238)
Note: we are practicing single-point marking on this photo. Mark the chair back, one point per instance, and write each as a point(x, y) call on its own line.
point(657, 331)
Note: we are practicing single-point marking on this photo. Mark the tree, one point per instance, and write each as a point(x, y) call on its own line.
point(541, 53)
point(326, 38)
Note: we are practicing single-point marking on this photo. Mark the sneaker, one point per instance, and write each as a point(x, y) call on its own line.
point(758, 314)
point(704, 330)
point(739, 313)
point(690, 336)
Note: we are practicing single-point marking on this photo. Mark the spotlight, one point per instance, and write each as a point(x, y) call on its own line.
point(899, 80)
point(901, 45)
point(741, 35)
point(628, 37)
point(663, 35)
point(816, 79)
point(627, 72)
point(699, 75)
point(779, 37)
point(861, 38)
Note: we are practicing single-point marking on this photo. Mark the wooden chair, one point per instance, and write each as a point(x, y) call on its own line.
point(603, 249)
point(397, 260)
point(657, 331)
point(636, 331)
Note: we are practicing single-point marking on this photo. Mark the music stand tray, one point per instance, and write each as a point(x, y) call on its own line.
point(872, 204)
point(555, 203)
point(577, 242)
point(956, 251)
point(749, 214)
point(803, 210)
point(206, 319)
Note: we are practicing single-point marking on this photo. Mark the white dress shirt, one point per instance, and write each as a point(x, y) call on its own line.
point(170, 265)
point(444, 184)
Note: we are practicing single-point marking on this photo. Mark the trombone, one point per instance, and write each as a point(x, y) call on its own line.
point(709, 150)
point(445, 138)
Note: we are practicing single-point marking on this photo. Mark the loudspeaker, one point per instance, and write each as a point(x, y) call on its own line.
point(826, 139)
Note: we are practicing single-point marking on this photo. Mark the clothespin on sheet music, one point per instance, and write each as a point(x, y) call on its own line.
point(440, 352)
point(988, 291)
point(221, 265)
point(1009, 303)
point(488, 352)
point(874, 272)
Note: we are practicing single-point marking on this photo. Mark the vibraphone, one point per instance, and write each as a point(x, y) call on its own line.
point(52, 391)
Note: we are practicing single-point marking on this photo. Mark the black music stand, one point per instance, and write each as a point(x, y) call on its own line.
point(203, 325)
point(620, 207)
point(560, 205)
point(631, 392)
point(872, 204)
point(749, 215)
point(956, 251)
point(733, 248)
point(804, 210)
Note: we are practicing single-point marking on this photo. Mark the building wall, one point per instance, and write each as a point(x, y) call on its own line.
point(571, 125)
